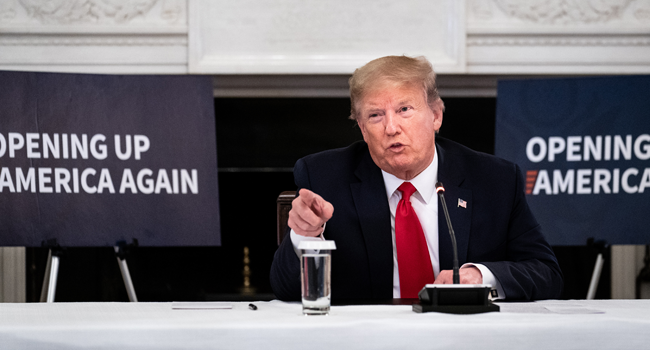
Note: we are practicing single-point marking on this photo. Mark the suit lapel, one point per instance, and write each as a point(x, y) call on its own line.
point(374, 218)
point(450, 173)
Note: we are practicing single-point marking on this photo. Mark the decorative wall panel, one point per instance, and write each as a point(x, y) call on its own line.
point(289, 37)
point(117, 36)
point(331, 37)
point(558, 36)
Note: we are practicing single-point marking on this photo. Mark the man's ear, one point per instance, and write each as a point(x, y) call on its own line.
point(437, 119)
point(437, 115)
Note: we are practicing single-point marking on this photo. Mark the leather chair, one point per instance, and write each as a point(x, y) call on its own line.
point(284, 206)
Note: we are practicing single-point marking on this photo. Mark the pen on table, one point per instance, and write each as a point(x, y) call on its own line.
point(252, 307)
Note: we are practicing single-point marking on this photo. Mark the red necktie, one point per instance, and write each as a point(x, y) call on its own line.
point(413, 259)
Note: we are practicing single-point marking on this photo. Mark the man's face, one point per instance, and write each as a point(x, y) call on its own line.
point(399, 127)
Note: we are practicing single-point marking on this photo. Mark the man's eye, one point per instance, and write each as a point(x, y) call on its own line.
point(404, 109)
point(374, 115)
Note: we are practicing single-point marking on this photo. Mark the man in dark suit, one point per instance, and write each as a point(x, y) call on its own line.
point(391, 237)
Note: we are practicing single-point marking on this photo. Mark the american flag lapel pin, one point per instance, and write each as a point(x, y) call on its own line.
point(462, 203)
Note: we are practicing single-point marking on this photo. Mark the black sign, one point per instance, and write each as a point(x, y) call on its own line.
point(584, 147)
point(91, 160)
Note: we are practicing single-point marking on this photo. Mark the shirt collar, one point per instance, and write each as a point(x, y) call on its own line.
point(424, 183)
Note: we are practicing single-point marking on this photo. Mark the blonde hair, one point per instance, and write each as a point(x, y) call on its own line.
point(397, 71)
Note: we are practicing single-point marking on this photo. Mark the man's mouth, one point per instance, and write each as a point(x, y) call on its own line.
point(396, 147)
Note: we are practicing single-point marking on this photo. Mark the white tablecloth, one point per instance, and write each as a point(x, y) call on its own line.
point(600, 324)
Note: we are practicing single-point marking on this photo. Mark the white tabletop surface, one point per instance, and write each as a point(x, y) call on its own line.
point(576, 324)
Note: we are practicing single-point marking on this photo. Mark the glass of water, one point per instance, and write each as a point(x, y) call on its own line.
point(315, 274)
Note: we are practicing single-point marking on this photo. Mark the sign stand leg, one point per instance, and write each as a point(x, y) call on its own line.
point(46, 278)
point(598, 246)
point(120, 254)
point(48, 291)
point(595, 277)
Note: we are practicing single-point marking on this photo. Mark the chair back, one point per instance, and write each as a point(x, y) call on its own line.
point(284, 206)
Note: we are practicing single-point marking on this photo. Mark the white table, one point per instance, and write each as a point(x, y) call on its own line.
point(596, 324)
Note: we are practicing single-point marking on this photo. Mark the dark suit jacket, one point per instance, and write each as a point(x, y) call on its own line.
point(496, 229)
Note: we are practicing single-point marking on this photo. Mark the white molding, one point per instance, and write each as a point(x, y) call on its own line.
point(93, 13)
point(295, 37)
point(97, 54)
point(89, 30)
point(560, 68)
point(558, 13)
point(556, 30)
point(280, 86)
point(117, 37)
point(94, 40)
point(558, 37)
point(306, 64)
point(563, 40)
point(98, 68)
point(558, 54)
point(194, 47)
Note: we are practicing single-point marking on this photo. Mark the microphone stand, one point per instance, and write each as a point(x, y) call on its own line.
point(441, 190)
point(454, 298)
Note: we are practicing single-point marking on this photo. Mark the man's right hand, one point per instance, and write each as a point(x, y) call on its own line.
point(309, 212)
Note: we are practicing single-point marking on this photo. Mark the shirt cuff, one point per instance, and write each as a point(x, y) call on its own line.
point(488, 278)
point(296, 239)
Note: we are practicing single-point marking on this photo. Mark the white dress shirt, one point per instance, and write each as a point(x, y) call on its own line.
point(425, 204)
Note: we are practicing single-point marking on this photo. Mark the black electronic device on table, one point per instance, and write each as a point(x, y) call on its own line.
point(454, 298)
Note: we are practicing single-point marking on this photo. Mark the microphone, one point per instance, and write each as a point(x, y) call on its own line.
point(454, 298)
point(441, 193)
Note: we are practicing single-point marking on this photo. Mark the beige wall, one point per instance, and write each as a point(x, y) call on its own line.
point(627, 261)
point(12, 275)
